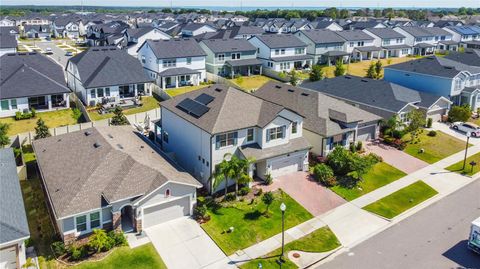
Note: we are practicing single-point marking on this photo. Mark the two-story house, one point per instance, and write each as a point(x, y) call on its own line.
point(173, 63)
point(231, 57)
point(392, 42)
point(8, 41)
point(134, 38)
point(324, 45)
point(281, 52)
point(359, 44)
point(106, 75)
point(423, 40)
point(463, 34)
point(200, 127)
point(194, 29)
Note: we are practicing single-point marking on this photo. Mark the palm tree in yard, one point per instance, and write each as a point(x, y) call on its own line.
point(241, 172)
point(223, 172)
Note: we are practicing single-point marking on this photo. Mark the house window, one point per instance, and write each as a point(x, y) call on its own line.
point(167, 193)
point(170, 63)
point(95, 220)
point(189, 60)
point(282, 51)
point(4, 104)
point(294, 127)
point(92, 93)
point(258, 50)
point(81, 223)
point(277, 52)
point(224, 140)
point(221, 57)
point(360, 43)
point(352, 44)
point(165, 137)
point(270, 64)
point(107, 91)
point(299, 51)
point(143, 59)
point(250, 135)
point(13, 103)
point(100, 92)
point(235, 56)
point(275, 133)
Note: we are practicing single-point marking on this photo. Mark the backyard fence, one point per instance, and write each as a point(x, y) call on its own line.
point(221, 80)
point(79, 105)
point(155, 89)
point(276, 75)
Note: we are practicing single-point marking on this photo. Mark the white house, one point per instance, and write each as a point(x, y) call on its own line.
point(359, 44)
point(8, 41)
point(392, 42)
point(194, 29)
point(136, 37)
point(424, 40)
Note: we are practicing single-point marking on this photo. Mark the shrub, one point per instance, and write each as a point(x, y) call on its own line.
point(98, 240)
point(24, 116)
point(76, 114)
point(429, 122)
point(34, 112)
point(314, 159)
point(317, 73)
point(459, 113)
point(324, 174)
point(230, 197)
point(200, 212)
point(359, 146)
point(118, 238)
point(398, 134)
point(432, 133)
point(259, 192)
point(244, 191)
point(268, 179)
point(352, 147)
point(340, 69)
point(76, 253)
point(58, 248)
point(268, 199)
point(339, 160)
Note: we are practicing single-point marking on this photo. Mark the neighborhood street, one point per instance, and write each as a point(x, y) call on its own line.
point(58, 54)
point(433, 238)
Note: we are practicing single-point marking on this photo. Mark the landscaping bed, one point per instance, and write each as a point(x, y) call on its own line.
point(401, 200)
point(148, 103)
point(457, 167)
point(321, 240)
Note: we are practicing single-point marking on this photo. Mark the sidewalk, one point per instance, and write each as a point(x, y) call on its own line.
point(352, 225)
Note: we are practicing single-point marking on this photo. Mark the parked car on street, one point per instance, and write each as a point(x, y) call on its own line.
point(69, 53)
point(467, 127)
point(48, 51)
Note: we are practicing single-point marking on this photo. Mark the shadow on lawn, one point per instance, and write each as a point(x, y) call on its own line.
point(253, 215)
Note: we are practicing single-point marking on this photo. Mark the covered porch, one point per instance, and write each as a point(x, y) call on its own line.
point(471, 96)
point(447, 45)
point(367, 53)
point(179, 77)
point(423, 49)
point(298, 62)
point(396, 51)
point(245, 67)
point(49, 102)
point(332, 57)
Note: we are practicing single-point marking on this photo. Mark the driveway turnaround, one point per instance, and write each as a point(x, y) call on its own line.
point(307, 192)
point(182, 243)
point(397, 158)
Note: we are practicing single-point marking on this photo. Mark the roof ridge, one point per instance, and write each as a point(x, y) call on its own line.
point(45, 76)
point(96, 71)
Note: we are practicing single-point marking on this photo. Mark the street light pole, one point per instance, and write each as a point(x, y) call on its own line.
point(466, 149)
point(283, 207)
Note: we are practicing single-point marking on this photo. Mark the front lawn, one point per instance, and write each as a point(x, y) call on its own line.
point(401, 200)
point(321, 240)
point(149, 103)
point(457, 167)
point(379, 175)
point(250, 223)
point(251, 83)
point(143, 257)
point(52, 119)
point(435, 148)
point(178, 91)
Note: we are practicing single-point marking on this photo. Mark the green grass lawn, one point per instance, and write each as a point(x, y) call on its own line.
point(143, 257)
point(457, 167)
point(251, 83)
point(250, 223)
point(436, 148)
point(149, 103)
point(380, 175)
point(360, 68)
point(178, 91)
point(51, 118)
point(321, 240)
point(401, 200)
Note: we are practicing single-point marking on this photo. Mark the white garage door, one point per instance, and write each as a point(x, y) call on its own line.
point(436, 115)
point(8, 258)
point(286, 165)
point(164, 212)
point(366, 133)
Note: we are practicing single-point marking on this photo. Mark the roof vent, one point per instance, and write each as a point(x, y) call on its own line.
point(218, 89)
point(97, 145)
point(110, 135)
point(448, 67)
point(120, 146)
point(278, 86)
point(290, 90)
point(87, 133)
point(305, 94)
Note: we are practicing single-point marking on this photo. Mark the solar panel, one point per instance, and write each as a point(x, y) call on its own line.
point(204, 98)
point(185, 105)
point(193, 107)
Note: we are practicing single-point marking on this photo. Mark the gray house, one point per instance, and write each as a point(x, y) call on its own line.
point(324, 45)
point(111, 178)
point(13, 219)
point(230, 57)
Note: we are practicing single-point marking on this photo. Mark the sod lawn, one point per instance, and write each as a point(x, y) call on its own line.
point(178, 91)
point(457, 167)
point(149, 103)
point(360, 68)
point(435, 147)
point(143, 257)
point(250, 223)
point(380, 175)
point(251, 83)
point(321, 240)
point(401, 200)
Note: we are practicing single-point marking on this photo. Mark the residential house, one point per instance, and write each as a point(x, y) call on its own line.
point(14, 229)
point(200, 127)
point(282, 52)
point(361, 25)
point(463, 34)
point(382, 98)
point(106, 34)
point(360, 45)
point(174, 62)
point(457, 81)
point(231, 57)
point(67, 26)
point(327, 25)
point(424, 40)
point(325, 46)
point(110, 178)
point(194, 29)
point(31, 80)
point(327, 122)
point(392, 42)
point(34, 31)
point(8, 41)
point(7, 22)
point(134, 38)
point(106, 75)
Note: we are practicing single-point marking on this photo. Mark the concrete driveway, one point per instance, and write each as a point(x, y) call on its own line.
point(397, 158)
point(182, 243)
point(311, 195)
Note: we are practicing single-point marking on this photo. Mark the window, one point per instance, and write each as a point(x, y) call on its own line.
point(270, 64)
point(100, 92)
point(277, 52)
point(165, 137)
point(275, 133)
point(92, 93)
point(13, 103)
point(258, 50)
point(81, 223)
point(250, 135)
point(189, 60)
point(299, 51)
point(386, 42)
point(224, 140)
point(294, 127)
point(221, 57)
point(352, 44)
point(143, 59)
point(235, 56)
point(282, 51)
point(107, 91)
point(399, 40)
point(360, 43)
point(95, 220)
point(4, 105)
point(167, 193)
point(170, 63)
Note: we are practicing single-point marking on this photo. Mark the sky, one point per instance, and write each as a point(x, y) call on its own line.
point(260, 3)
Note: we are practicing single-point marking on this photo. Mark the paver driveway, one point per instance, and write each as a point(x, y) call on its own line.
point(397, 158)
point(311, 195)
point(182, 243)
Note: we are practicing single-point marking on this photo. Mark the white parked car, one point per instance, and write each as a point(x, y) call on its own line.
point(467, 127)
point(48, 51)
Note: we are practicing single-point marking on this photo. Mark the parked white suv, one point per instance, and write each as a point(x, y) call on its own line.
point(467, 127)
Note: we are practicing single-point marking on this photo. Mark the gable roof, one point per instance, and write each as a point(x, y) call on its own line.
point(13, 219)
point(7, 40)
point(231, 109)
point(274, 41)
point(435, 66)
point(385, 33)
point(108, 66)
point(30, 74)
point(469, 57)
point(324, 115)
point(418, 31)
point(228, 45)
point(323, 36)
point(354, 35)
point(81, 168)
point(175, 48)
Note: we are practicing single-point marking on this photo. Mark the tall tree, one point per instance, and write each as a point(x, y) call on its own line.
point(118, 117)
point(41, 131)
point(378, 69)
point(223, 172)
point(4, 139)
point(317, 73)
point(340, 69)
point(372, 72)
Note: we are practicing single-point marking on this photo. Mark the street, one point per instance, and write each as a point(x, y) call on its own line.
point(435, 237)
point(58, 54)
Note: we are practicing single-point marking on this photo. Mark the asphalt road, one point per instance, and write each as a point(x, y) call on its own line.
point(436, 237)
point(58, 54)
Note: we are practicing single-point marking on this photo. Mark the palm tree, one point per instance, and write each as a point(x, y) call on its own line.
point(223, 172)
point(240, 166)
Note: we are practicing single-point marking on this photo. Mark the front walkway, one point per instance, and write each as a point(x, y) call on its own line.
point(397, 158)
point(311, 195)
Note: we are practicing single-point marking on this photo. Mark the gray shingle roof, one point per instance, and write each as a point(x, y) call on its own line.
point(175, 48)
point(30, 74)
point(385, 33)
point(231, 109)
point(320, 111)
point(469, 57)
point(274, 41)
point(13, 219)
point(436, 66)
point(178, 71)
point(323, 36)
point(418, 31)
point(228, 45)
point(7, 40)
point(257, 153)
point(108, 66)
point(354, 35)
point(77, 174)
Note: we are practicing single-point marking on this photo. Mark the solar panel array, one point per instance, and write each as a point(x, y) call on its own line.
point(204, 98)
point(193, 107)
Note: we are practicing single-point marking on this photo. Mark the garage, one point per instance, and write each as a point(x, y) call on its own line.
point(286, 165)
point(436, 115)
point(366, 133)
point(165, 212)
point(8, 258)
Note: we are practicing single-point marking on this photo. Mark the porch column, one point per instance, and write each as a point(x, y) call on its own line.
point(49, 100)
point(117, 221)
point(197, 80)
point(135, 89)
point(232, 73)
point(361, 56)
point(248, 70)
point(260, 69)
point(66, 97)
point(379, 52)
point(176, 81)
point(163, 83)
